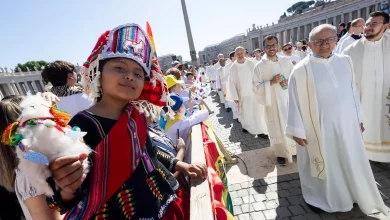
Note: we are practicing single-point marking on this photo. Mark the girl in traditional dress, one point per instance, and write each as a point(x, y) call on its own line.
point(127, 179)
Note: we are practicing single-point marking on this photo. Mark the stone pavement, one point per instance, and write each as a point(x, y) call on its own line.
point(279, 195)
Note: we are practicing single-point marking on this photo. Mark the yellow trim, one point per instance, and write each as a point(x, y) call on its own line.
point(312, 122)
point(377, 151)
point(378, 144)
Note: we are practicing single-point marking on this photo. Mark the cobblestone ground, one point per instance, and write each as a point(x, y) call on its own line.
point(276, 197)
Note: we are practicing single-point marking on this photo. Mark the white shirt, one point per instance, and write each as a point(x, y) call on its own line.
point(185, 128)
point(293, 58)
point(74, 104)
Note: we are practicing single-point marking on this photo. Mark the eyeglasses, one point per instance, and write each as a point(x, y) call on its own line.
point(287, 49)
point(374, 24)
point(328, 41)
point(271, 46)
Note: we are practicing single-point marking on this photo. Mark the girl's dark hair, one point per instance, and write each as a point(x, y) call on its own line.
point(57, 72)
point(9, 113)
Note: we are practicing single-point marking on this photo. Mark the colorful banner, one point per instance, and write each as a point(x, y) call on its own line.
point(220, 197)
point(150, 35)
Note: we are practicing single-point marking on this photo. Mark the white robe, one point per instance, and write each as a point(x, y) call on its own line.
point(338, 47)
point(221, 84)
point(349, 178)
point(274, 100)
point(348, 41)
point(229, 103)
point(301, 54)
point(371, 62)
point(210, 71)
point(294, 59)
point(240, 88)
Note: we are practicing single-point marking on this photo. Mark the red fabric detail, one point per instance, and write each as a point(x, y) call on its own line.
point(215, 182)
point(179, 209)
point(98, 48)
point(151, 93)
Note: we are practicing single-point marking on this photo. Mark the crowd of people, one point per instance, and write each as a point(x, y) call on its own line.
point(309, 99)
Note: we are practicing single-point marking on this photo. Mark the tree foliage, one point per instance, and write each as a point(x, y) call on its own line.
point(30, 65)
point(299, 7)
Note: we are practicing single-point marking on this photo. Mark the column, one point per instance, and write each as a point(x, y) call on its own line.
point(15, 89)
point(305, 32)
point(1, 94)
point(293, 39)
point(288, 35)
point(349, 16)
point(10, 89)
point(281, 38)
point(44, 88)
point(19, 88)
point(359, 12)
point(34, 86)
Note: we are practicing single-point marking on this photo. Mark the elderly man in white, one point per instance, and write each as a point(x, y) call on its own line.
point(324, 118)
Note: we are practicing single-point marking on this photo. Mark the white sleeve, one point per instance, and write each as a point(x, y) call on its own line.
point(218, 79)
point(233, 85)
point(261, 88)
point(294, 127)
point(23, 186)
point(198, 117)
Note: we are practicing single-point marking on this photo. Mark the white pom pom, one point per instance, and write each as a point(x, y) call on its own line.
point(49, 123)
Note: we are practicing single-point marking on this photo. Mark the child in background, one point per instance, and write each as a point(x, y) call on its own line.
point(182, 126)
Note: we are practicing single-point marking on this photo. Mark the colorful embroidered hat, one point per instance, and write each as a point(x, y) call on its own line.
point(131, 42)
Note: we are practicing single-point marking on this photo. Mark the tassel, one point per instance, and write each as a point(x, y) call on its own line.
point(60, 117)
point(8, 132)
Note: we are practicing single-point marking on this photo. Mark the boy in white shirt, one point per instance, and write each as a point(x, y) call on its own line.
point(180, 125)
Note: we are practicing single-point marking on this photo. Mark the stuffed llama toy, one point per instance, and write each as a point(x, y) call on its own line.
point(40, 136)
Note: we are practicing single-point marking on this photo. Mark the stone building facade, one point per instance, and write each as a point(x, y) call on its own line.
point(297, 27)
point(19, 83)
point(165, 61)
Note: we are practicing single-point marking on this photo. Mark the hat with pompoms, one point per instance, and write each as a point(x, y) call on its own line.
point(131, 42)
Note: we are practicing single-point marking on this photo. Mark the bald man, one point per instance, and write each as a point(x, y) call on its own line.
point(324, 118)
point(356, 29)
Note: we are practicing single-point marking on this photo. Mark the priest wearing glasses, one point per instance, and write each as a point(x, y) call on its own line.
point(325, 120)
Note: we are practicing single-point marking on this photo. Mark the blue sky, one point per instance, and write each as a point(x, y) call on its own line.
point(67, 30)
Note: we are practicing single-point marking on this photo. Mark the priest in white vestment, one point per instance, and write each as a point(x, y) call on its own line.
point(288, 53)
point(325, 119)
point(371, 62)
point(270, 82)
point(232, 106)
point(240, 91)
point(356, 30)
point(342, 39)
point(221, 82)
point(210, 72)
point(299, 52)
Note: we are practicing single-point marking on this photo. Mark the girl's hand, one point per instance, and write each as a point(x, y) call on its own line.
point(181, 145)
point(198, 171)
point(50, 97)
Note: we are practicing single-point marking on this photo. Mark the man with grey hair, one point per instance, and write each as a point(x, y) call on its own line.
point(240, 91)
point(325, 120)
point(370, 57)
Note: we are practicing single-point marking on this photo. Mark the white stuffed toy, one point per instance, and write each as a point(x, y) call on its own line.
point(40, 136)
